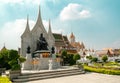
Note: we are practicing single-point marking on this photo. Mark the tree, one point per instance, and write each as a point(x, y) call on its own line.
point(64, 56)
point(13, 54)
point(76, 57)
point(70, 59)
point(104, 58)
point(94, 59)
point(4, 59)
point(89, 58)
point(9, 59)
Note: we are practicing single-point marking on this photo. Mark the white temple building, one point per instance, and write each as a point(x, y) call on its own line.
point(38, 56)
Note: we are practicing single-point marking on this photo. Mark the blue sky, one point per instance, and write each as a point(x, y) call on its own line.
point(94, 22)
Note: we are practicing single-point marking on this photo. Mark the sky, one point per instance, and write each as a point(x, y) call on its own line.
point(96, 23)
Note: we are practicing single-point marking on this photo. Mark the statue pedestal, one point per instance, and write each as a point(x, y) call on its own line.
point(53, 56)
point(50, 64)
point(27, 65)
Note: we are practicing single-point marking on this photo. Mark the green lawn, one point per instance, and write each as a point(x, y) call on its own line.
point(4, 80)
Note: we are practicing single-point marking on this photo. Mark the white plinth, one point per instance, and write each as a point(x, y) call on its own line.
point(50, 64)
point(27, 65)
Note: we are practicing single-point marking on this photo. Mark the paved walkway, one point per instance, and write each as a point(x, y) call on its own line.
point(84, 78)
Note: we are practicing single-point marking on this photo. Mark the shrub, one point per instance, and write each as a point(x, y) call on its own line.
point(22, 59)
point(16, 67)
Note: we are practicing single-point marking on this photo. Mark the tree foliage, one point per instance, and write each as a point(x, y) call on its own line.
point(13, 54)
point(67, 58)
point(104, 58)
point(89, 58)
point(94, 59)
point(76, 57)
point(22, 59)
point(4, 59)
point(9, 59)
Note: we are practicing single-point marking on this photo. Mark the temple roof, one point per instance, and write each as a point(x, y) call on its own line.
point(72, 35)
point(27, 30)
point(104, 52)
point(58, 39)
point(39, 19)
point(39, 24)
point(57, 36)
point(4, 48)
point(65, 38)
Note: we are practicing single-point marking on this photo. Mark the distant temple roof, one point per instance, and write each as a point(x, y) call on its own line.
point(72, 35)
point(110, 53)
point(57, 36)
point(4, 48)
point(58, 39)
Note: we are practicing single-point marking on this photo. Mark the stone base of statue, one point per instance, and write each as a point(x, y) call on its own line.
point(50, 64)
point(41, 60)
point(27, 65)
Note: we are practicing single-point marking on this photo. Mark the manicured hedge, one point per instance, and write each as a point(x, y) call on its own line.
point(101, 70)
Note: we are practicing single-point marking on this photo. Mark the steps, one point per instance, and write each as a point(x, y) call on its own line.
point(46, 75)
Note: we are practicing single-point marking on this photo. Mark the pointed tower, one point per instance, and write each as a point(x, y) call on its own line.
point(37, 30)
point(25, 38)
point(50, 36)
point(27, 29)
point(4, 48)
point(82, 46)
point(72, 38)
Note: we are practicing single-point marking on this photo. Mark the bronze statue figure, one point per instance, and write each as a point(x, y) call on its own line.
point(28, 49)
point(41, 43)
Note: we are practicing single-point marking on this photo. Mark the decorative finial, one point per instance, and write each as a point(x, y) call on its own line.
point(4, 44)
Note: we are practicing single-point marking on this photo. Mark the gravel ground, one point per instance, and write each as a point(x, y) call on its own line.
point(83, 78)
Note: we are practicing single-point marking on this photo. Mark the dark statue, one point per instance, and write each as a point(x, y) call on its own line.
point(28, 49)
point(52, 50)
point(41, 43)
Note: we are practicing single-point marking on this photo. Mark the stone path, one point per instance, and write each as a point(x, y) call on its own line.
point(84, 78)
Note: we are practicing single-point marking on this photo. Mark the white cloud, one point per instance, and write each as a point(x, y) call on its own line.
point(58, 31)
point(11, 1)
point(26, 1)
point(74, 11)
point(11, 32)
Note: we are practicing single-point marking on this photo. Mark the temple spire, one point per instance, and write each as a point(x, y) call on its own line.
point(27, 30)
point(27, 26)
point(49, 31)
point(50, 35)
point(39, 19)
point(4, 48)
